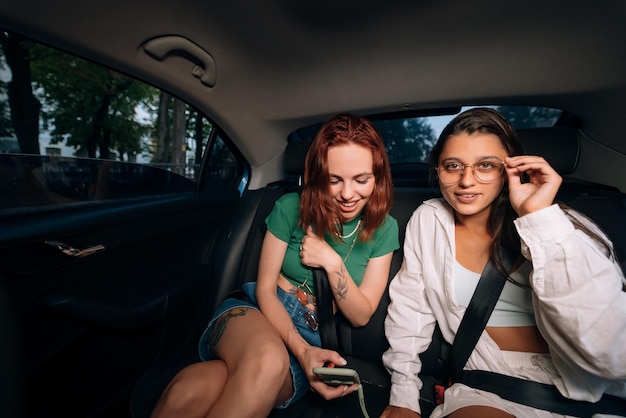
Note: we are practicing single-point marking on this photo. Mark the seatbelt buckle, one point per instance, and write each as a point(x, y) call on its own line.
point(439, 390)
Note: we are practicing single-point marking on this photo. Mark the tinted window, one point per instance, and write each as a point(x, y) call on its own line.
point(31, 180)
point(410, 139)
point(223, 167)
point(72, 131)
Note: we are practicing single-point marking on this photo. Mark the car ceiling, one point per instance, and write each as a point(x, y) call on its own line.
point(283, 64)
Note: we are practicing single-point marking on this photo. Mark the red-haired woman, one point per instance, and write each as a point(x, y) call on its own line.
point(266, 350)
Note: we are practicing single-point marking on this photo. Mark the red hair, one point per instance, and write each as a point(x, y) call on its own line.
point(317, 206)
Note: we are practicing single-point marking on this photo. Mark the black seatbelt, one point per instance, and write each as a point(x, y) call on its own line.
point(324, 305)
point(540, 395)
point(477, 314)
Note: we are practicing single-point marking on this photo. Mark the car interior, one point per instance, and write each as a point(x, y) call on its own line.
point(363, 347)
point(111, 267)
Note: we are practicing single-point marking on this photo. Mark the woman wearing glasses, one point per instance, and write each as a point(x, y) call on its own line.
point(340, 222)
point(560, 318)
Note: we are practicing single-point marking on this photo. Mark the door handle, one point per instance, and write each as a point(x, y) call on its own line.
point(75, 252)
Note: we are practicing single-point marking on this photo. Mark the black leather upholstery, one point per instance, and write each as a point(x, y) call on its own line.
point(560, 146)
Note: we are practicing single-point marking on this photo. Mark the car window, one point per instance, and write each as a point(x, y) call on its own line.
point(76, 132)
point(224, 167)
point(409, 139)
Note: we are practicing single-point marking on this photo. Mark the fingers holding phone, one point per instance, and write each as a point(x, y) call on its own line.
point(334, 382)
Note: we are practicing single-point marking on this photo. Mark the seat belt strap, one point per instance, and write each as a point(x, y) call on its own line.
point(540, 395)
point(325, 315)
point(478, 311)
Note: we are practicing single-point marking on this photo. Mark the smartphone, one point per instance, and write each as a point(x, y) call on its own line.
point(335, 376)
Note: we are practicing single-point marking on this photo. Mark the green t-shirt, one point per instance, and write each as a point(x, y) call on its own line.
point(283, 223)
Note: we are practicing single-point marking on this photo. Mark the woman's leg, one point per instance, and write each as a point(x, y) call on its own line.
point(251, 377)
point(258, 366)
point(192, 391)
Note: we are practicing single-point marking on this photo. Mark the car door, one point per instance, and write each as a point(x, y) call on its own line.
point(105, 265)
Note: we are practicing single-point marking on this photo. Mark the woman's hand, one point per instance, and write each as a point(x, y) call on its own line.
point(318, 357)
point(357, 303)
point(316, 253)
point(539, 192)
point(398, 412)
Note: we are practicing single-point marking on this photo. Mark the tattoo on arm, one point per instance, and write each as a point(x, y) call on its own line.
point(341, 289)
point(220, 324)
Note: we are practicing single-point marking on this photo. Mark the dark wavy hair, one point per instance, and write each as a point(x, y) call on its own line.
point(316, 205)
point(500, 223)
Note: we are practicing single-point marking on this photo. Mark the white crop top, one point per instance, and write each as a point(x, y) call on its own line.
point(514, 307)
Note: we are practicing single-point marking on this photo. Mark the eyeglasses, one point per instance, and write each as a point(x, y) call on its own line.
point(485, 171)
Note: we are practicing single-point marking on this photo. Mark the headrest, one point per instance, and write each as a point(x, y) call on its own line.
point(295, 154)
point(559, 145)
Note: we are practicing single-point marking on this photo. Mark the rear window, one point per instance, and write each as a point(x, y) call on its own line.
point(409, 139)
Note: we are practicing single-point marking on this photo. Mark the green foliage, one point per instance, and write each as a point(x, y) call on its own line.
point(407, 140)
point(87, 106)
point(524, 117)
point(6, 127)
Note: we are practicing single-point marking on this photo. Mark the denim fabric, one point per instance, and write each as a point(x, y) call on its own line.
point(295, 311)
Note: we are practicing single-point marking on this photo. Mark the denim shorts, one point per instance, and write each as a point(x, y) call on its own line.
point(296, 312)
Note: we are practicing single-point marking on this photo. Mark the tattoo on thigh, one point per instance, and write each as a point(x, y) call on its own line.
point(220, 324)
